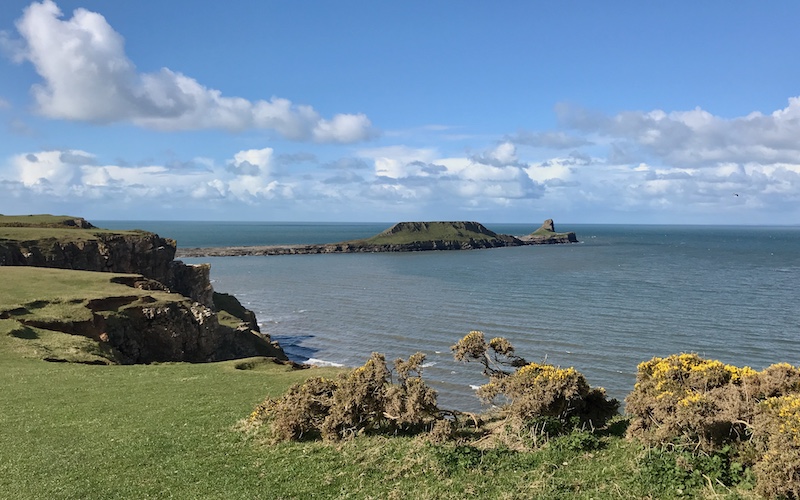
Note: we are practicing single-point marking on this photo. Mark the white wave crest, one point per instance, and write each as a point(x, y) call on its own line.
point(321, 362)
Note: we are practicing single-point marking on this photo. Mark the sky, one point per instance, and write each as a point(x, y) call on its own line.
point(509, 111)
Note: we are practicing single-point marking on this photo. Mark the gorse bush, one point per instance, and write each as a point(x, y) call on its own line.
point(533, 390)
point(707, 407)
point(704, 422)
point(685, 399)
point(362, 400)
point(777, 433)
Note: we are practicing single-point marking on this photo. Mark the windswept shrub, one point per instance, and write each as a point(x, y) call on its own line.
point(358, 400)
point(534, 390)
point(300, 413)
point(496, 356)
point(362, 400)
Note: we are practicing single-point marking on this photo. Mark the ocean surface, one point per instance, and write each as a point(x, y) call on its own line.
point(622, 295)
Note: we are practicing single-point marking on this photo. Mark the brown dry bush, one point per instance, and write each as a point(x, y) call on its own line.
point(300, 412)
point(363, 400)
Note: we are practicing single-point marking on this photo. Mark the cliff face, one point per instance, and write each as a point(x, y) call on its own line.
point(198, 329)
point(139, 253)
point(140, 323)
point(180, 331)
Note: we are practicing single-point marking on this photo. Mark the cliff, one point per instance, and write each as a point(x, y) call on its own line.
point(78, 245)
point(189, 322)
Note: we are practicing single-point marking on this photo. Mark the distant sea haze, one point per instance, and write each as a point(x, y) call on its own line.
point(622, 295)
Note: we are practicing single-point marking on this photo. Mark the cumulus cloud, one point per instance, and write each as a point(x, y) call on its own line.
point(88, 77)
point(492, 177)
point(696, 137)
point(75, 174)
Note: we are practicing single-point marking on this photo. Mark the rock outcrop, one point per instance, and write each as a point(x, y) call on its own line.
point(547, 235)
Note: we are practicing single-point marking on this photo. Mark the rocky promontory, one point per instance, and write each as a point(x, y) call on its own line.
point(403, 237)
point(173, 314)
point(547, 235)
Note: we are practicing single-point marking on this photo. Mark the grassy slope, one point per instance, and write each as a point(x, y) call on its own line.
point(168, 430)
point(20, 285)
point(434, 231)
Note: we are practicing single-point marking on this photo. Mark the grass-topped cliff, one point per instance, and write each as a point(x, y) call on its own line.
point(72, 292)
point(50, 228)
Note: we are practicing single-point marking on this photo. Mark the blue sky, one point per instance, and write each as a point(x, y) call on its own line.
point(585, 112)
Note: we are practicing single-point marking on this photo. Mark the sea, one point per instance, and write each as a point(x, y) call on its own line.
point(622, 295)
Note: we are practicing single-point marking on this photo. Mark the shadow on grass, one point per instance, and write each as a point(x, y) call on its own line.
point(617, 427)
point(24, 333)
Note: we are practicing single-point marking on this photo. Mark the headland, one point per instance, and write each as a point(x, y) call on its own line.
point(403, 237)
point(73, 292)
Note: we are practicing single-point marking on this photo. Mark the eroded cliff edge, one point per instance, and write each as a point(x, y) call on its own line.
point(187, 321)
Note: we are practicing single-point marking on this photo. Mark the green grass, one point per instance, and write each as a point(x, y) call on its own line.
point(36, 220)
point(169, 430)
point(77, 431)
point(53, 234)
point(63, 294)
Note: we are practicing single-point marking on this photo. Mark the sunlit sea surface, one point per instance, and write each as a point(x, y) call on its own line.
point(619, 297)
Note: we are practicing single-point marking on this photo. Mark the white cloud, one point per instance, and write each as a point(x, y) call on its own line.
point(697, 137)
point(252, 162)
point(88, 77)
point(493, 177)
point(398, 161)
point(44, 169)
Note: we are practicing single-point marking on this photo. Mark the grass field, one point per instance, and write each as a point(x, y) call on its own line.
point(169, 430)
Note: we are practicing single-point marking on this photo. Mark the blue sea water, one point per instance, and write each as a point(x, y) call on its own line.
point(619, 297)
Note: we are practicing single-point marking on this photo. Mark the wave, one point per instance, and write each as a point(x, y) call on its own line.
point(322, 362)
